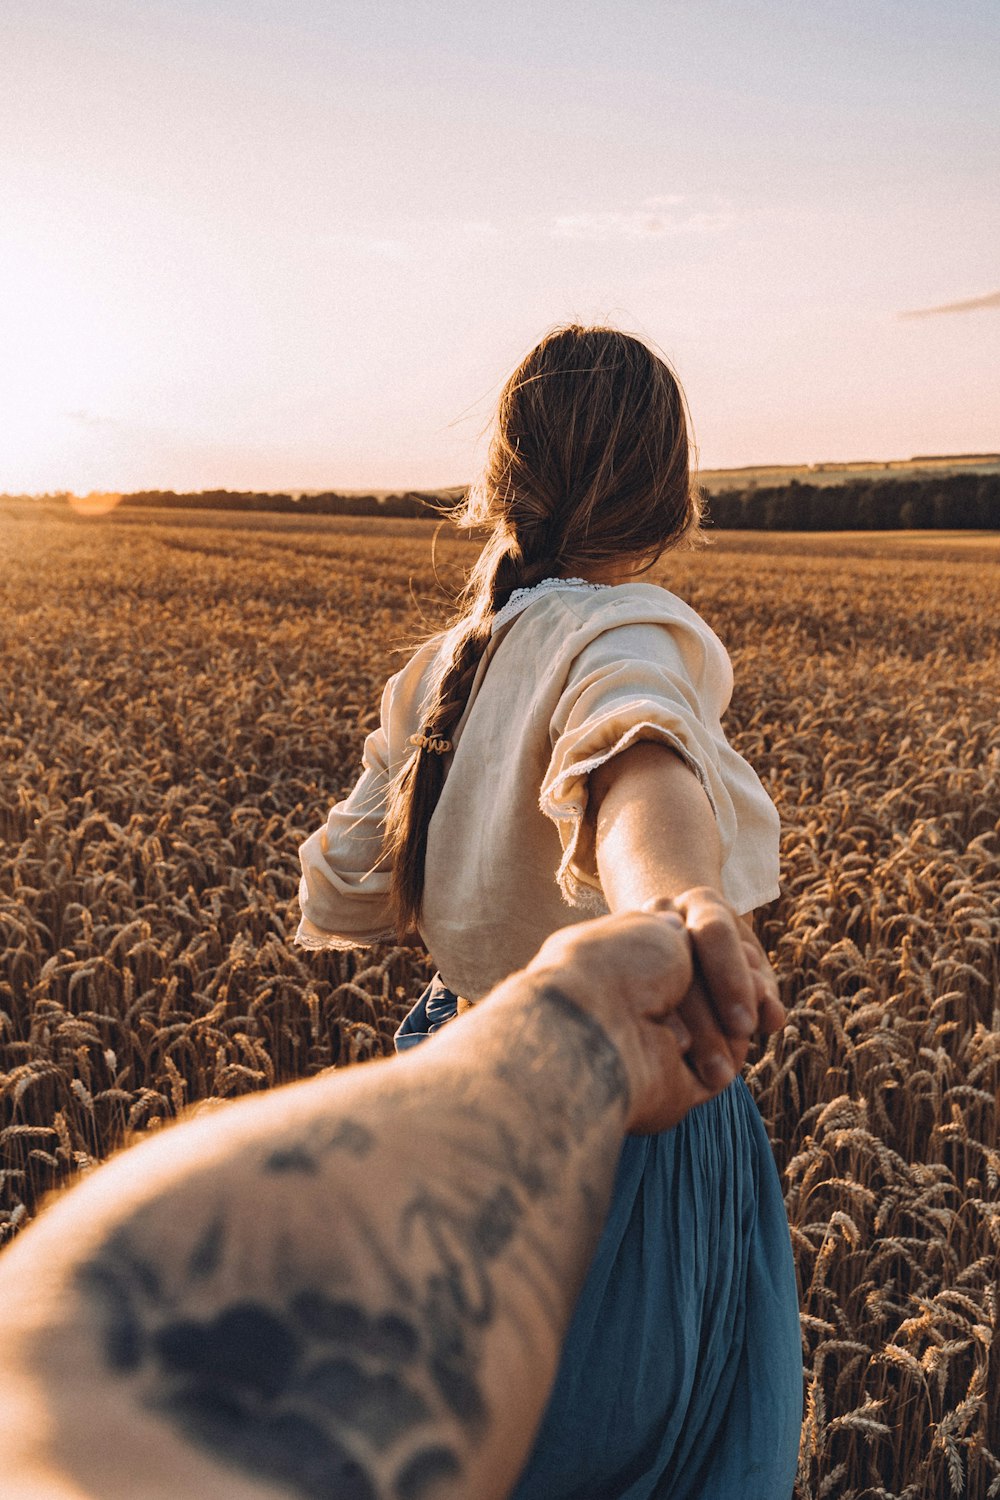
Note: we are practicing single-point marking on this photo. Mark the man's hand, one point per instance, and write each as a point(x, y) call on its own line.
point(631, 972)
point(681, 987)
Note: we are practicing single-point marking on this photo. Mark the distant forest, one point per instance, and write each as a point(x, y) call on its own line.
point(412, 505)
point(953, 502)
point(949, 502)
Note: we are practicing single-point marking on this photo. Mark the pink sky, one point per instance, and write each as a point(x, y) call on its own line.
point(301, 246)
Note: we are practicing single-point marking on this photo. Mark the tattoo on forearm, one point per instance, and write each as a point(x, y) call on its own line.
point(347, 1136)
point(586, 1069)
point(328, 1391)
point(308, 1391)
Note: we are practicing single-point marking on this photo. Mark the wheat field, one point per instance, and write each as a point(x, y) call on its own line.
point(182, 696)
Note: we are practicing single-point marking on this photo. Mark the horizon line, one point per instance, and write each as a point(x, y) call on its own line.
point(819, 466)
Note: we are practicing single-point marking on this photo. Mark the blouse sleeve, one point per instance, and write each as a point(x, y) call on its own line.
point(344, 889)
point(671, 683)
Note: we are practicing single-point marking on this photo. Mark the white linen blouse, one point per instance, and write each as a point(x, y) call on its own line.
point(573, 675)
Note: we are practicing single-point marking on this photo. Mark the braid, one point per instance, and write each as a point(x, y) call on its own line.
point(414, 793)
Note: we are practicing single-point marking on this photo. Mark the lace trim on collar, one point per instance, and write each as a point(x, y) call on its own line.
point(521, 598)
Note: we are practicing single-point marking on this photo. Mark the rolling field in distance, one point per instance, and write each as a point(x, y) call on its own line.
point(929, 466)
point(183, 695)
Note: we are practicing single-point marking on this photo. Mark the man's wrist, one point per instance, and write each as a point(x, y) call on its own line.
point(575, 991)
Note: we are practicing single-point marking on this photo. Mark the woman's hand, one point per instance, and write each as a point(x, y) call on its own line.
point(734, 993)
point(658, 849)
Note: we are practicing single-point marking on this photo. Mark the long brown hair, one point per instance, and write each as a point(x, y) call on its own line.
point(588, 464)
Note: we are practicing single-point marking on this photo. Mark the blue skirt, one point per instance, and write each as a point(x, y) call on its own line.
point(681, 1373)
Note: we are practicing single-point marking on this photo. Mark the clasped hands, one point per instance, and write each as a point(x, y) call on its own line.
point(681, 986)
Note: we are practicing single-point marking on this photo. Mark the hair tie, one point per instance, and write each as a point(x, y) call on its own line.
point(430, 742)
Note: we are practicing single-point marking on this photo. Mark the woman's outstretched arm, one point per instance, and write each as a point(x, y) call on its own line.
point(656, 837)
point(354, 1286)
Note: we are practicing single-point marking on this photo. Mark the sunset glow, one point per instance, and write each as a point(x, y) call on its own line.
point(300, 247)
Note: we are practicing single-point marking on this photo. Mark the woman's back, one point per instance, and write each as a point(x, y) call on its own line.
point(578, 674)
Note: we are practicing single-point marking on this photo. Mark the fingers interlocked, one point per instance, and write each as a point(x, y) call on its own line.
point(734, 993)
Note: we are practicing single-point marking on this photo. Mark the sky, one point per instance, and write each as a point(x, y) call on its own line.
point(292, 244)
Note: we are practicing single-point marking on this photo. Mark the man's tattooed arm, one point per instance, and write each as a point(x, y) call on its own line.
point(355, 1286)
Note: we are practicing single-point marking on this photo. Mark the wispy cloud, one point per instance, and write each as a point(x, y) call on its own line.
point(372, 242)
point(84, 418)
point(651, 218)
point(381, 247)
point(401, 241)
point(971, 304)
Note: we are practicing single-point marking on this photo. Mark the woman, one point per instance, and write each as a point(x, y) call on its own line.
point(556, 753)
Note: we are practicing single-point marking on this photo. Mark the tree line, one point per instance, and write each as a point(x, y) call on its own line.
point(412, 504)
point(948, 502)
